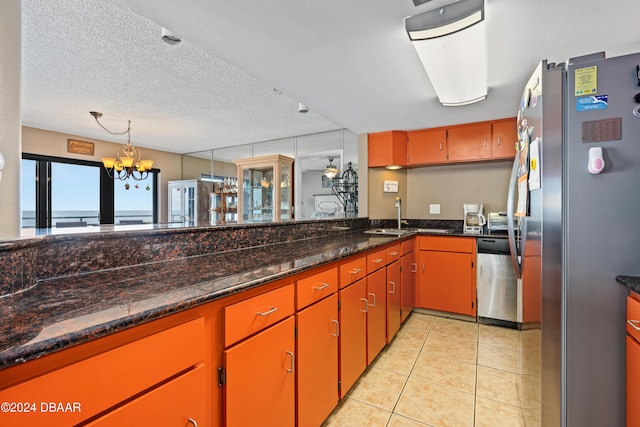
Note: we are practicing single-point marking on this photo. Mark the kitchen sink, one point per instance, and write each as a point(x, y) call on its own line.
point(434, 230)
point(388, 231)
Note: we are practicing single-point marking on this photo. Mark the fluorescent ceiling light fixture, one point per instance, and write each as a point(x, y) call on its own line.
point(451, 42)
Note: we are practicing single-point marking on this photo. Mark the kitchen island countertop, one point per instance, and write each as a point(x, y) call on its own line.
point(61, 312)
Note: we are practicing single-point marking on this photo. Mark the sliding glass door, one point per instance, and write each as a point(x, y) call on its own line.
point(59, 192)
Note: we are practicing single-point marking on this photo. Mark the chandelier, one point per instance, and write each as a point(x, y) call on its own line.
point(331, 170)
point(127, 163)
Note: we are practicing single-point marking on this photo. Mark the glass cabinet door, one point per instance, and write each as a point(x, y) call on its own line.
point(258, 206)
point(285, 192)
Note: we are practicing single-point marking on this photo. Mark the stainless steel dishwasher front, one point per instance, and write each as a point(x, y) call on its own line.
point(496, 284)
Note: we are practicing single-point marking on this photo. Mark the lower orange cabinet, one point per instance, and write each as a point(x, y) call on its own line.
point(317, 361)
point(394, 299)
point(408, 270)
point(377, 314)
point(177, 403)
point(101, 382)
point(633, 382)
point(353, 333)
point(260, 378)
point(447, 280)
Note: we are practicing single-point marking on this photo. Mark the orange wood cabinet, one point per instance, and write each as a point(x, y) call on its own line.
point(175, 403)
point(377, 314)
point(316, 287)
point(469, 142)
point(317, 361)
point(352, 270)
point(392, 253)
point(447, 274)
point(100, 382)
point(254, 314)
point(353, 333)
point(268, 381)
point(376, 260)
point(260, 378)
point(503, 139)
point(408, 271)
point(387, 148)
point(394, 299)
point(426, 146)
point(633, 360)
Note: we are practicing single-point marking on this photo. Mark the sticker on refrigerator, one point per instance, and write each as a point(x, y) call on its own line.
point(595, 102)
point(586, 80)
point(534, 165)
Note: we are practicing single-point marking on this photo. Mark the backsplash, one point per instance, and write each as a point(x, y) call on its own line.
point(24, 262)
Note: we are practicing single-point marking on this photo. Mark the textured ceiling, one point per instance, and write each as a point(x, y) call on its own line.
point(349, 61)
point(91, 55)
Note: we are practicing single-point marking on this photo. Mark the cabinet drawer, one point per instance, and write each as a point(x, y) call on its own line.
point(447, 244)
point(633, 316)
point(407, 246)
point(314, 288)
point(393, 253)
point(104, 380)
point(171, 404)
point(376, 260)
point(250, 316)
point(352, 271)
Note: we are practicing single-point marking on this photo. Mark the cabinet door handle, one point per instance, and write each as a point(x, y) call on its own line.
point(441, 146)
point(321, 287)
point(394, 253)
point(414, 267)
point(423, 267)
point(374, 299)
point(192, 421)
point(268, 312)
point(290, 370)
point(377, 261)
point(393, 287)
point(355, 271)
point(366, 305)
point(499, 141)
point(634, 324)
point(485, 142)
point(337, 334)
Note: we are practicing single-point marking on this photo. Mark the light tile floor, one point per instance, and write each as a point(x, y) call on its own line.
point(442, 372)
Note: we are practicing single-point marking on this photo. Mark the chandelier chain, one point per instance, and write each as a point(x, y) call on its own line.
point(124, 132)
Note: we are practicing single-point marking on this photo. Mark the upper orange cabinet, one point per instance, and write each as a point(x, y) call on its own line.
point(473, 142)
point(387, 149)
point(426, 146)
point(504, 138)
point(469, 142)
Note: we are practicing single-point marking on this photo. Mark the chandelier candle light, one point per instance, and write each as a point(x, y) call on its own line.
point(127, 162)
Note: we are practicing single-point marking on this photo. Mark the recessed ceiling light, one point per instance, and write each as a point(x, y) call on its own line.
point(169, 38)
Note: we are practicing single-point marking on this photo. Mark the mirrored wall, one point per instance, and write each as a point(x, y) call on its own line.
point(313, 197)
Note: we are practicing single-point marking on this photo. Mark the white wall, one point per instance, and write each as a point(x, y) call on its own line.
point(10, 132)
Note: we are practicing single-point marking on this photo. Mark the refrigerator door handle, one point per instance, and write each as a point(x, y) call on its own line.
point(510, 223)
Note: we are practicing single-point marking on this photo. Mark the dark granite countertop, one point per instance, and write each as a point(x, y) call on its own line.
point(61, 312)
point(631, 282)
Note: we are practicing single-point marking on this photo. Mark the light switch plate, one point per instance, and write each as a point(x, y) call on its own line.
point(434, 209)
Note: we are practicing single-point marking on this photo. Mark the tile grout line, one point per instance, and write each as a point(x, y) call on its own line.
point(393, 410)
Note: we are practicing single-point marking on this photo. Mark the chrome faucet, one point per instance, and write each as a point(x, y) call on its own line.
point(398, 204)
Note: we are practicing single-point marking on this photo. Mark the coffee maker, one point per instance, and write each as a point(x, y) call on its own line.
point(474, 220)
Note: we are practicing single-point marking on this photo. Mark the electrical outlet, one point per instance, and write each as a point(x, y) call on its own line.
point(434, 209)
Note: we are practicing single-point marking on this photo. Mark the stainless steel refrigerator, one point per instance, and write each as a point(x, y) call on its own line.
point(580, 230)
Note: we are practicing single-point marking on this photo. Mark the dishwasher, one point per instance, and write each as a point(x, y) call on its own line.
point(496, 284)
